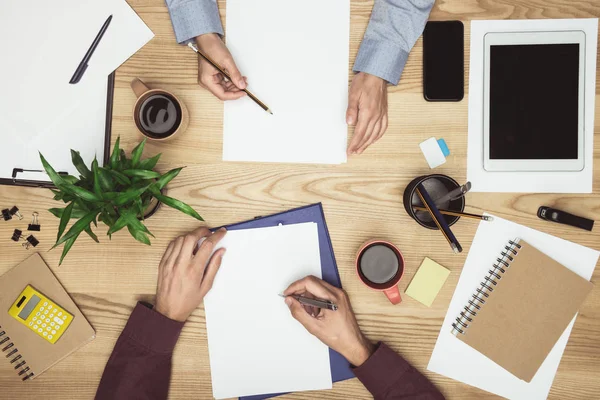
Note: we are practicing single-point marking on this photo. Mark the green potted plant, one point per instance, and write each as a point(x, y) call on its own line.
point(118, 195)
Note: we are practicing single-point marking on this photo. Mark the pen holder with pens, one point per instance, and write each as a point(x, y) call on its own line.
point(437, 186)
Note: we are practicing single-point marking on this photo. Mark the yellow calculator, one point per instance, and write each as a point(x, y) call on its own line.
point(40, 314)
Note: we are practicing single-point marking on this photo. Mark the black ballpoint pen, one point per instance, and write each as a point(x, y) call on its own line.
point(84, 62)
point(314, 302)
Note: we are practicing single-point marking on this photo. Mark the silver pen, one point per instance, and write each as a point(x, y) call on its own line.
point(314, 302)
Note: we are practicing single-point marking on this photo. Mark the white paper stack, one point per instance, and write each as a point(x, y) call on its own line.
point(42, 45)
point(255, 345)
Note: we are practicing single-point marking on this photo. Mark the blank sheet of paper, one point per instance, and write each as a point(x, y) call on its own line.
point(295, 55)
point(39, 62)
point(255, 346)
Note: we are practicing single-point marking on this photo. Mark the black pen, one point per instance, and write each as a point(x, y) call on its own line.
point(84, 62)
point(314, 302)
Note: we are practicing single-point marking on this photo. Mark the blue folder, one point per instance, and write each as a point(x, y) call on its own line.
point(340, 368)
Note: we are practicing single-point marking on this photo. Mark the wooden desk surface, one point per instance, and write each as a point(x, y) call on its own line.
point(362, 200)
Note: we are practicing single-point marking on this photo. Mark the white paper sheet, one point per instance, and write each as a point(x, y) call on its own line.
point(84, 131)
point(255, 346)
point(42, 44)
point(529, 182)
point(296, 61)
point(457, 360)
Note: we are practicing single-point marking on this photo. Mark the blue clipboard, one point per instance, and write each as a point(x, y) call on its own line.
point(340, 368)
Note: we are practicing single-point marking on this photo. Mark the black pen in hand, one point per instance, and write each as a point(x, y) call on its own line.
point(313, 302)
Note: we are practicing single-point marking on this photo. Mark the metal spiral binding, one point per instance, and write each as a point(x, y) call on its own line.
point(489, 282)
point(8, 347)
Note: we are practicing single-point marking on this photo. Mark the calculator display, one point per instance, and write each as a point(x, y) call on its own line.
point(29, 307)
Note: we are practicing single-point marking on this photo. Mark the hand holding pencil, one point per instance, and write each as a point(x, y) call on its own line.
point(211, 78)
point(218, 73)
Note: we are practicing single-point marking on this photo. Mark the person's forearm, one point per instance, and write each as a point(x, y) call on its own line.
point(389, 376)
point(394, 28)
point(192, 18)
point(140, 364)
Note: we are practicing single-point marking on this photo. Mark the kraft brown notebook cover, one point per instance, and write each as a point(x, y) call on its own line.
point(521, 308)
point(37, 353)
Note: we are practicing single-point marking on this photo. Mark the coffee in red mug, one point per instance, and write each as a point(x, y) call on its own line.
point(380, 266)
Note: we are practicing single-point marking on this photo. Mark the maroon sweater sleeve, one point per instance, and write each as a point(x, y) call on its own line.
point(388, 376)
point(140, 364)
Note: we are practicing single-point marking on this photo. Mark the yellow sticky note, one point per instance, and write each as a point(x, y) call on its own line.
point(427, 282)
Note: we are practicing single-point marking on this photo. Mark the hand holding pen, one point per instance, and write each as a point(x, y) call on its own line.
point(337, 329)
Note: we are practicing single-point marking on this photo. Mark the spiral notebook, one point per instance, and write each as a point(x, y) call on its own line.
point(29, 354)
point(521, 308)
point(522, 298)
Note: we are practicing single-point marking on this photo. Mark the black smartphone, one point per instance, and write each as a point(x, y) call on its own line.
point(443, 61)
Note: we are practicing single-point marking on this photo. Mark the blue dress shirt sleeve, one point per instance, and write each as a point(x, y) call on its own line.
point(191, 18)
point(394, 28)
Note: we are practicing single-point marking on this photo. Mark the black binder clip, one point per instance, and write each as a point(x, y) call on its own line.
point(17, 235)
point(15, 211)
point(31, 242)
point(6, 214)
point(34, 225)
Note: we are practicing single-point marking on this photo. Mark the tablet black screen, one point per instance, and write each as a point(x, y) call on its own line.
point(534, 101)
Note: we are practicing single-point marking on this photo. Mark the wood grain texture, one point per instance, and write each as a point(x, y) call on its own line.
point(362, 200)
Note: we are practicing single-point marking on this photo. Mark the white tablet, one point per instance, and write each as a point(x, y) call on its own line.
point(533, 101)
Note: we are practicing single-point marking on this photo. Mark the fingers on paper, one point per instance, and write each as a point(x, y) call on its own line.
point(206, 248)
point(300, 314)
point(211, 271)
point(314, 286)
point(352, 110)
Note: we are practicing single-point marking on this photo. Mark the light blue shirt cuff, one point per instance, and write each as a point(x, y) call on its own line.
point(380, 58)
point(195, 18)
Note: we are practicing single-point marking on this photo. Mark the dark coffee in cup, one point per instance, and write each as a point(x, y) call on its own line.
point(160, 116)
point(379, 264)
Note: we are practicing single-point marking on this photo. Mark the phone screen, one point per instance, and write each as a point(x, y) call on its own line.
point(443, 61)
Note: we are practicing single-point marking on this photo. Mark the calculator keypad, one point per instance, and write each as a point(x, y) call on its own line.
point(47, 321)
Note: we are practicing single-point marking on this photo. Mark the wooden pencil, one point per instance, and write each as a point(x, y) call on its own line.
point(458, 214)
point(225, 74)
point(438, 218)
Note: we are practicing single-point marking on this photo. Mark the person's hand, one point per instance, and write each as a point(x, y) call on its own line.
point(337, 329)
point(186, 273)
point(210, 78)
point(367, 110)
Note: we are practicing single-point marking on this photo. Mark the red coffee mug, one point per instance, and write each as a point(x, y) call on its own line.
point(389, 288)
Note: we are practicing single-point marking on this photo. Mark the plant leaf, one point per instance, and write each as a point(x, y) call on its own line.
point(82, 193)
point(138, 235)
point(118, 225)
point(122, 179)
point(178, 205)
point(106, 182)
point(88, 230)
point(129, 195)
point(97, 188)
point(70, 179)
point(136, 223)
point(80, 165)
point(78, 227)
point(166, 178)
point(136, 154)
point(75, 213)
point(141, 173)
point(149, 163)
point(54, 177)
point(67, 247)
point(64, 219)
point(114, 157)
